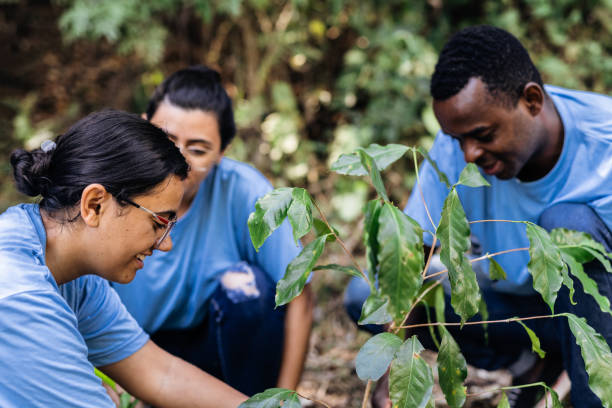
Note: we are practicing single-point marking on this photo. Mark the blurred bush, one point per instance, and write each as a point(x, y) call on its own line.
point(311, 79)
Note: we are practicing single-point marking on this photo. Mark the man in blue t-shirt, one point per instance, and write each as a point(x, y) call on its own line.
point(547, 153)
point(211, 300)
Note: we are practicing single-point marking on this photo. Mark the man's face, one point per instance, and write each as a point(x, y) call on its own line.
point(501, 140)
point(196, 133)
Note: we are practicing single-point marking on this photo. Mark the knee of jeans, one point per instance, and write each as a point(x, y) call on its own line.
point(242, 282)
point(574, 216)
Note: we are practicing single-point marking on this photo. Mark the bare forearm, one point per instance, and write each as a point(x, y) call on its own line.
point(156, 377)
point(298, 323)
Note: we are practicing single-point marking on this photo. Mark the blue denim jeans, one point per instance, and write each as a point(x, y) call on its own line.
point(506, 342)
point(241, 339)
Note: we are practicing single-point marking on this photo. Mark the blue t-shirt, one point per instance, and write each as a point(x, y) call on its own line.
point(171, 290)
point(583, 174)
point(52, 337)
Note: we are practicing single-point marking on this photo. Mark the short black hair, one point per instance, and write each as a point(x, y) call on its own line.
point(197, 87)
point(121, 151)
point(489, 53)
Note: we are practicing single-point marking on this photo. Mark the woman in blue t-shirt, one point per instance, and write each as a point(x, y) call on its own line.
point(110, 188)
point(211, 302)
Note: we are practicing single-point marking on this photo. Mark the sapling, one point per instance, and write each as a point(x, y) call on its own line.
point(400, 280)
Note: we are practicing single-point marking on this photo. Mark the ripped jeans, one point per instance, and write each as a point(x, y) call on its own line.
point(241, 338)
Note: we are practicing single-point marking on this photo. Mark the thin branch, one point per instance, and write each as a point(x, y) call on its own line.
point(512, 221)
point(324, 219)
point(366, 394)
point(316, 401)
point(510, 320)
point(487, 256)
point(431, 251)
point(416, 302)
point(537, 384)
point(416, 170)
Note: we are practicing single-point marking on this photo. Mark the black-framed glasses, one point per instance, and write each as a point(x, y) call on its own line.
point(166, 222)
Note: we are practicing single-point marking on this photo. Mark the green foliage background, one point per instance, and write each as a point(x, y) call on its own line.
point(310, 79)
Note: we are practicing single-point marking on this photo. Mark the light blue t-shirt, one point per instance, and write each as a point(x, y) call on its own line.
point(52, 337)
point(583, 174)
point(171, 290)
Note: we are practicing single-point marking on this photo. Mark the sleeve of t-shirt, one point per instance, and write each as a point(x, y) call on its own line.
point(43, 358)
point(279, 248)
point(110, 332)
point(434, 191)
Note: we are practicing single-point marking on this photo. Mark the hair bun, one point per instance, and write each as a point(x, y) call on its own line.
point(31, 171)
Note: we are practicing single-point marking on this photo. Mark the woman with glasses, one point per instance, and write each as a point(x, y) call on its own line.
point(211, 300)
point(111, 187)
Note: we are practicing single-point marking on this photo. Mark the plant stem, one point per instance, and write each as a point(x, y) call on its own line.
point(537, 384)
point(416, 170)
point(431, 251)
point(487, 256)
point(366, 394)
point(324, 219)
point(510, 320)
point(416, 302)
point(512, 221)
point(313, 400)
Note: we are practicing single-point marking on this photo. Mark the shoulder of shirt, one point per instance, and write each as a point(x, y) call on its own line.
point(244, 175)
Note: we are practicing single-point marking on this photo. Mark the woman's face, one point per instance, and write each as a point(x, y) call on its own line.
point(127, 235)
point(196, 133)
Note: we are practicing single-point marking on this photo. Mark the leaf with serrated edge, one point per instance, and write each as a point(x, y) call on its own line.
point(368, 162)
point(471, 177)
point(535, 341)
point(370, 234)
point(452, 370)
point(375, 356)
point(503, 402)
point(545, 264)
point(401, 259)
point(349, 270)
point(443, 178)
point(496, 272)
point(270, 211)
point(410, 378)
point(596, 355)
point(454, 235)
point(588, 285)
point(350, 164)
point(300, 213)
point(298, 271)
point(273, 398)
point(375, 310)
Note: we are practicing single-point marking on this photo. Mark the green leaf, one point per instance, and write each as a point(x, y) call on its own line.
point(300, 213)
point(368, 162)
point(535, 341)
point(273, 398)
point(588, 285)
point(556, 403)
point(596, 355)
point(484, 313)
point(321, 228)
point(454, 234)
point(545, 264)
point(496, 272)
point(503, 402)
point(410, 379)
point(125, 400)
point(375, 310)
point(270, 211)
point(351, 165)
point(375, 356)
point(443, 178)
point(298, 271)
point(567, 280)
point(452, 370)
point(370, 237)
point(580, 246)
point(470, 176)
point(401, 259)
point(440, 304)
point(349, 270)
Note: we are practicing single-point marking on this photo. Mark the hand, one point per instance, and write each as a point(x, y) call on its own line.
point(380, 396)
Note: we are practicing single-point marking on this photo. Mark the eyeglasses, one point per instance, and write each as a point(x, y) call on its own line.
point(167, 223)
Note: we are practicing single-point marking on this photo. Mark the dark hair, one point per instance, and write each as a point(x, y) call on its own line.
point(489, 53)
point(197, 87)
point(124, 153)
